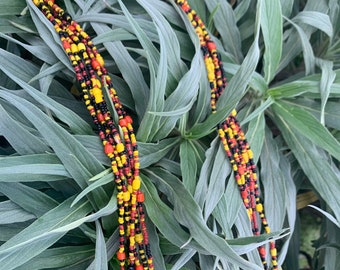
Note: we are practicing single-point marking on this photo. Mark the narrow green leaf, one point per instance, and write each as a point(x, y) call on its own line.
point(308, 126)
point(151, 153)
point(228, 207)
point(30, 199)
point(308, 54)
point(315, 19)
point(20, 138)
point(255, 135)
point(168, 39)
point(67, 256)
point(78, 161)
point(188, 165)
point(149, 48)
point(314, 163)
point(273, 182)
point(12, 213)
point(217, 178)
point(11, 7)
point(271, 26)
point(33, 172)
point(287, 6)
point(62, 142)
point(162, 216)
point(100, 255)
point(326, 214)
point(42, 233)
point(188, 213)
point(105, 179)
point(332, 113)
point(225, 23)
point(327, 79)
point(285, 167)
point(259, 110)
point(76, 124)
point(183, 259)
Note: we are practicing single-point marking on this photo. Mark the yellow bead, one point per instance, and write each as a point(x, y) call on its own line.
point(233, 112)
point(81, 47)
point(245, 157)
point(250, 212)
point(120, 147)
point(100, 60)
point(273, 252)
point(267, 229)
point(259, 207)
point(126, 196)
point(74, 48)
point(132, 241)
point(241, 181)
point(250, 153)
point(136, 183)
point(139, 237)
point(96, 83)
point(98, 95)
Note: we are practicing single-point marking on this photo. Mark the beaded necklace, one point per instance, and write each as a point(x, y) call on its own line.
point(232, 137)
point(119, 141)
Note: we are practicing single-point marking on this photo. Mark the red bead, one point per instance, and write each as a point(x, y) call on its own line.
point(95, 64)
point(121, 256)
point(244, 194)
point(211, 46)
point(125, 121)
point(262, 252)
point(66, 44)
point(241, 170)
point(100, 117)
point(139, 267)
point(140, 197)
point(185, 7)
point(108, 148)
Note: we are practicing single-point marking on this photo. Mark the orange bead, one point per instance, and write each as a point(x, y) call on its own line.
point(140, 197)
point(211, 46)
point(108, 148)
point(66, 45)
point(139, 267)
point(121, 256)
point(95, 64)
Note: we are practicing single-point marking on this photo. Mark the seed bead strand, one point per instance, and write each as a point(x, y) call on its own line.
point(231, 134)
point(88, 66)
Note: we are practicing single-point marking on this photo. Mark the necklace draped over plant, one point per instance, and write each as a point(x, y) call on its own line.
point(119, 141)
point(232, 137)
point(120, 144)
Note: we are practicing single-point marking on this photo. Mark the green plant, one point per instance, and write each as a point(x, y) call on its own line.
point(57, 207)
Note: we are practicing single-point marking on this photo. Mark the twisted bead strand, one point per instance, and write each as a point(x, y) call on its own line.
point(232, 137)
point(122, 151)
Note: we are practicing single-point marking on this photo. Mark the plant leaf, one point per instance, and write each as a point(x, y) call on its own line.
point(307, 125)
point(271, 26)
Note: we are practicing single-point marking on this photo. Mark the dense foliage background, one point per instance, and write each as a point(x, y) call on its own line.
point(57, 202)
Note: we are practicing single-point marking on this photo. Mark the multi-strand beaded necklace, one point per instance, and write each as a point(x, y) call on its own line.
point(118, 140)
point(120, 143)
point(233, 139)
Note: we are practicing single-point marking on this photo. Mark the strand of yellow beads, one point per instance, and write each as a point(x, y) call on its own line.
point(121, 150)
point(231, 134)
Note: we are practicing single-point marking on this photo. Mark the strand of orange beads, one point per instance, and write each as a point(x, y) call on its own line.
point(231, 134)
point(123, 153)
